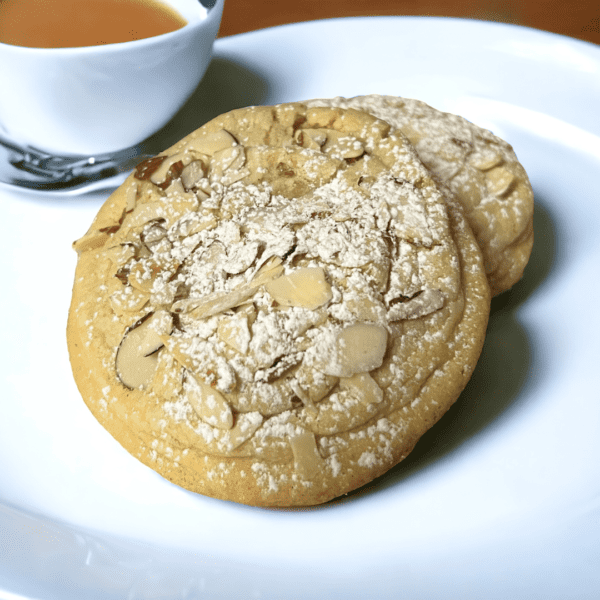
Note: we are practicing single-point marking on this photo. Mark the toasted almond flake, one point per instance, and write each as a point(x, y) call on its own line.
point(119, 255)
point(359, 348)
point(240, 257)
point(246, 424)
point(307, 460)
point(234, 331)
point(306, 288)
point(233, 175)
point(232, 157)
point(136, 372)
point(142, 275)
point(312, 386)
point(192, 174)
point(363, 387)
point(128, 300)
point(213, 304)
point(167, 381)
point(486, 162)
point(342, 411)
point(270, 268)
point(209, 404)
point(499, 181)
point(136, 357)
point(365, 308)
point(310, 138)
point(178, 348)
point(341, 145)
point(131, 194)
point(143, 213)
point(90, 241)
point(212, 143)
point(159, 176)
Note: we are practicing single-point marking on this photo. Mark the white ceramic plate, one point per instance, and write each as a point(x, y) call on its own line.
point(500, 500)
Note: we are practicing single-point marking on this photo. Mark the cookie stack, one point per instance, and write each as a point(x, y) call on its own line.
point(275, 309)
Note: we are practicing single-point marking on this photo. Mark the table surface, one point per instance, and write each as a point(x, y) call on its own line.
point(567, 17)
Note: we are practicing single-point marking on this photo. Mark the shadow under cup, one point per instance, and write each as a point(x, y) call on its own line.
point(70, 115)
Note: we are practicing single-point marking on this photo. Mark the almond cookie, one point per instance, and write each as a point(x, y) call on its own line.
point(275, 309)
point(481, 169)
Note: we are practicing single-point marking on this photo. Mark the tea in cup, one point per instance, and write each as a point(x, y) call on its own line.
point(73, 24)
point(67, 91)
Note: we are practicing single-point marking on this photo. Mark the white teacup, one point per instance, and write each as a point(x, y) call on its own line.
point(102, 99)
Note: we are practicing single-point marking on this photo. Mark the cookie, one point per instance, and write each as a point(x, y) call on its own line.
point(275, 309)
point(480, 168)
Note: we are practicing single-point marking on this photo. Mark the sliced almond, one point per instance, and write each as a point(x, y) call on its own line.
point(202, 195)
point(302, 394)
point(161, 322)
point(339, 412)
point(342, 145)
point(306, 288)
point(227, 166)
point(213, 254)
point(212, 143)
point(167, 382)
point(127, 300)
point(365, 308)
point(131, 194)
point(152, 330)
point(363, 387)
point(121, 254)
point(313, 384)
point(379, 273)
point(310, 138)
point(240, 257)
point(144, 213)
point(279, 368)
point(358, 348)
point(218, 302)
point(269, 268)
point(232, 157)
point(486, 161)
point(246, 424)
point(193, 223)
point(143, 274)
point(209, 404)
point(231, 176)
point(499, 181)
point(193, 174)
point(90, 241)
point(213, 304)
point(307, 460)
point(248, 311)
point(180, 202)
point(179, 348)
point(134, 371)
point(136, 357)
point(201, 358)
point(160, 175)
point(234, 331)
point(153, 233)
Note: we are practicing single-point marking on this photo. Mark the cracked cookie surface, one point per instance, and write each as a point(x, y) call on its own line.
point(276, 308)
point(482, 171)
